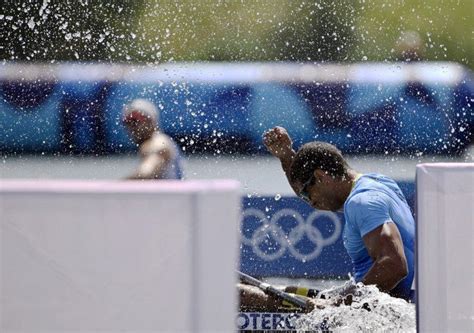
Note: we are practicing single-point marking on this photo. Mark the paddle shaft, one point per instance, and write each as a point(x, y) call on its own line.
point(295, 300)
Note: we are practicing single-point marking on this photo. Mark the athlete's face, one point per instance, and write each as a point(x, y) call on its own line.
point(139, 126)
point(320, 192)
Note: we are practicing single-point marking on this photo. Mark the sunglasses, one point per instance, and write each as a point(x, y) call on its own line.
point(134, 117)
point(304, 193)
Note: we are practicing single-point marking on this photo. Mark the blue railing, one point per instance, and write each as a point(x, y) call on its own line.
point(362, 108)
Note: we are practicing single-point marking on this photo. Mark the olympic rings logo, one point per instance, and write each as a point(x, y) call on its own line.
point(271, 230)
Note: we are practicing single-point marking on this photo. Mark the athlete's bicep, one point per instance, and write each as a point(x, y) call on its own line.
point(385, 241)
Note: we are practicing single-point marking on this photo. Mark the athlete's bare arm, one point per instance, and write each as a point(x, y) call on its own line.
point(280, 145)
point(385, 247)
point(254, 299)
point(155, 155)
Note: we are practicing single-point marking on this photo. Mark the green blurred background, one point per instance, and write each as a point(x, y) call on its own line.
point(162, 31)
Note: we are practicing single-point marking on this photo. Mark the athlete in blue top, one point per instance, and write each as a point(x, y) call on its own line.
point(160, 157)
point(373, 201)
point(379, 230)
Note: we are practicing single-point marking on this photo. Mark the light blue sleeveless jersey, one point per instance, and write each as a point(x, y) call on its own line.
point(174, 169)
point(375, 200)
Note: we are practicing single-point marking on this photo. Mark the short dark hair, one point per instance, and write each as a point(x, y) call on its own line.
point(318, 155)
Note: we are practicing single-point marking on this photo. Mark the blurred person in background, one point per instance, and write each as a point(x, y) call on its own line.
point(409, 47)
point(159, 154)
point(379, 230)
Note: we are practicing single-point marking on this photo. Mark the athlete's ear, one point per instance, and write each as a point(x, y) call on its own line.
point(320, 175)
point(323, 176)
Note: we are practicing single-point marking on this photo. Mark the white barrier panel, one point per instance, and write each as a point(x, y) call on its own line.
point(445, 251)
point(118, 256)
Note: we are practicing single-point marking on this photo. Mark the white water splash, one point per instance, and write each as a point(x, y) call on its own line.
point(387, 314)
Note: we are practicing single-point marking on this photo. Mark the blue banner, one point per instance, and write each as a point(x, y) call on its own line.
point(287, 237)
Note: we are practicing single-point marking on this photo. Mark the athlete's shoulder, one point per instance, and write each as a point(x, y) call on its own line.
point(159, 143)
point(375, 182)
point(160, 138)
point(366, 198)
point(376, 177)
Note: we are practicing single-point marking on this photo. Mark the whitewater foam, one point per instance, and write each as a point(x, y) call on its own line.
point(370, 311)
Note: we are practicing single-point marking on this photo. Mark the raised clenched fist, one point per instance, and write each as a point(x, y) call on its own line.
point(278, 142)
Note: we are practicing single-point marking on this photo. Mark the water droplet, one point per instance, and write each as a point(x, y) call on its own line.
point(31, 23)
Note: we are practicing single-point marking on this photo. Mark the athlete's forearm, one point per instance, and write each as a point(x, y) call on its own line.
point(286, 162)
point(254, 299)
point(385, 273)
